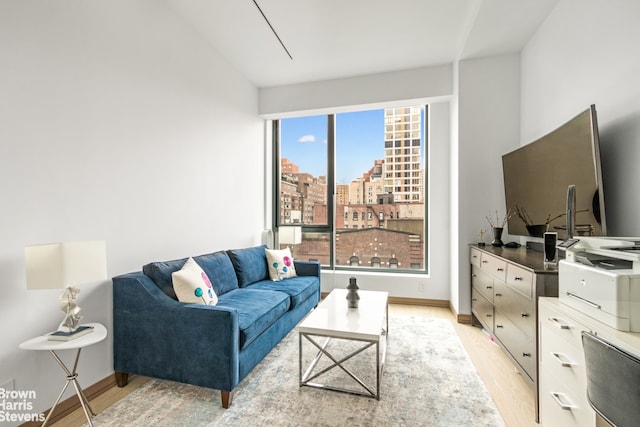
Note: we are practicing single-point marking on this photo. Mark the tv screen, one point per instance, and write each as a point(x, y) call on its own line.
point(537, 176)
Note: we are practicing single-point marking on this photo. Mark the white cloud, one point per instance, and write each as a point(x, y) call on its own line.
point(307, 138)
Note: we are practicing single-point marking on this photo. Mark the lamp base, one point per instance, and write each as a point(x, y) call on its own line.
point(71, 310)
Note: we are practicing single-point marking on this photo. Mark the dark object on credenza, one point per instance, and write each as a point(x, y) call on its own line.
point(550, 250)
point(613, 381)
point(536, 230)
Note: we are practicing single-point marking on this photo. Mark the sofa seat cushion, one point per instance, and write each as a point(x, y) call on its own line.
point(298, 288)
point(257, 310)
point(217, 266)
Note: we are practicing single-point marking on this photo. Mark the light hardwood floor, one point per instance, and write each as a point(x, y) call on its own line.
point(513, 397)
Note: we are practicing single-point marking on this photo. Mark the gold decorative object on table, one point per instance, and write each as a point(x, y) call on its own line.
point(481, 234)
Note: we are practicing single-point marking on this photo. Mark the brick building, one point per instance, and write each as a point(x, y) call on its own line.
point(367, 248)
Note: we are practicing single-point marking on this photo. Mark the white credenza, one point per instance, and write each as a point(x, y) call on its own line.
point(562, 375)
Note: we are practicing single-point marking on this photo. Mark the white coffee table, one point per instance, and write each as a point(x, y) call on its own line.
point(369, 324)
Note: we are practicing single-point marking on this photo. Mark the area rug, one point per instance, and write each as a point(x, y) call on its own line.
point(428, 380)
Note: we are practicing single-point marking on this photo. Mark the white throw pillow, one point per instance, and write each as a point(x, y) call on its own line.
point(280, 262)
point(192, 284)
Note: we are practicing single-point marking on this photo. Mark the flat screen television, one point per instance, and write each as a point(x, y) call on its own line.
point(537, 177)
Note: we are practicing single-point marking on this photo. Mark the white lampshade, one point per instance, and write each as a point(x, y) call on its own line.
point(290, 235)
point(61, 265)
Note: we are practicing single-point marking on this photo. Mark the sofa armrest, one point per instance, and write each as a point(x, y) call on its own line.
point(157, 336)
point(307, 268)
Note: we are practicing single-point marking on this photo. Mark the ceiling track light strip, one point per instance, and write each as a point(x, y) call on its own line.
point(273, 29)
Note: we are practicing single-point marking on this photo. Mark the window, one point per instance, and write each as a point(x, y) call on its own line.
point(373, 162)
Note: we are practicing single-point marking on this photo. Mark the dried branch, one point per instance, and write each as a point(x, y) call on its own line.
point(502, 223)
point(523, 215)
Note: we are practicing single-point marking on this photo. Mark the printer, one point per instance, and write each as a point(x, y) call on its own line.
point(600, 276)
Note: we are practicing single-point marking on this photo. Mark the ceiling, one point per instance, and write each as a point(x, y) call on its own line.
point(330, 39)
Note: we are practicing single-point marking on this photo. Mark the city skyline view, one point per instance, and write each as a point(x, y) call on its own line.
point(359, 142)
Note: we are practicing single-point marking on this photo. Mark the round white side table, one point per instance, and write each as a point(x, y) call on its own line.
point(98, 334)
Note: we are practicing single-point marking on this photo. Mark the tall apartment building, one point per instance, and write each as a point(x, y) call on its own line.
point(288, 167)
point(402, 154)
point(367, 188)
point(342, 194)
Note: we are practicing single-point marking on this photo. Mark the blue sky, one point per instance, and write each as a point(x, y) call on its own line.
point(359, 136)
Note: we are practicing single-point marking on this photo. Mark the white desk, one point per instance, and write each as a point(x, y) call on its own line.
point(563, 377)
point(43, 343)
point(368, 323)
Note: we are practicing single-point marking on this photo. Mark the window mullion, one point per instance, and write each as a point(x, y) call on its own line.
point(331, 185)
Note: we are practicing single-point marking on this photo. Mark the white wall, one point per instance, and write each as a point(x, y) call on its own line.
point(586, 52)
point(381, 89)
point(488, 127)
point(117, 122)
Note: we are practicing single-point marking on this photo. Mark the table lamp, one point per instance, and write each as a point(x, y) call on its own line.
point(290, 235)
point(66, 265)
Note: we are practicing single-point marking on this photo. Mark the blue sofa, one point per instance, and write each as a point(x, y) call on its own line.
point(155, 335)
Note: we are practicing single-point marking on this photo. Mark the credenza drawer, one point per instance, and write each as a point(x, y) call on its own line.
point(518, 308)
point(474, 256)
point(483, 309)
point(521, 347)
point(482, 282)
point(496, 267)
point(521, 279)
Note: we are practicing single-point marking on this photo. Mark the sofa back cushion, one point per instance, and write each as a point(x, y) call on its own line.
point(217, 265)
point(250, 264)
point(220, 270)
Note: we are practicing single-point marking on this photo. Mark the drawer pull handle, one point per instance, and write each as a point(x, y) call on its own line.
point(566, 363)
point(557, 323)
point(565, 406)
point(526, 354)
point(473, 275)
point(500, 269)
point(574, 296)
point(489, 315)
point(474, 256)
point(489, 287)
point(498, 295)
point(485, 261)
point(524, 315)
point(474, 299)
point(517, 278)
point(499, 326)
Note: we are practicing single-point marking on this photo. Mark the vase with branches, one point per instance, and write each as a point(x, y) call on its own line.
point(497, 229)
